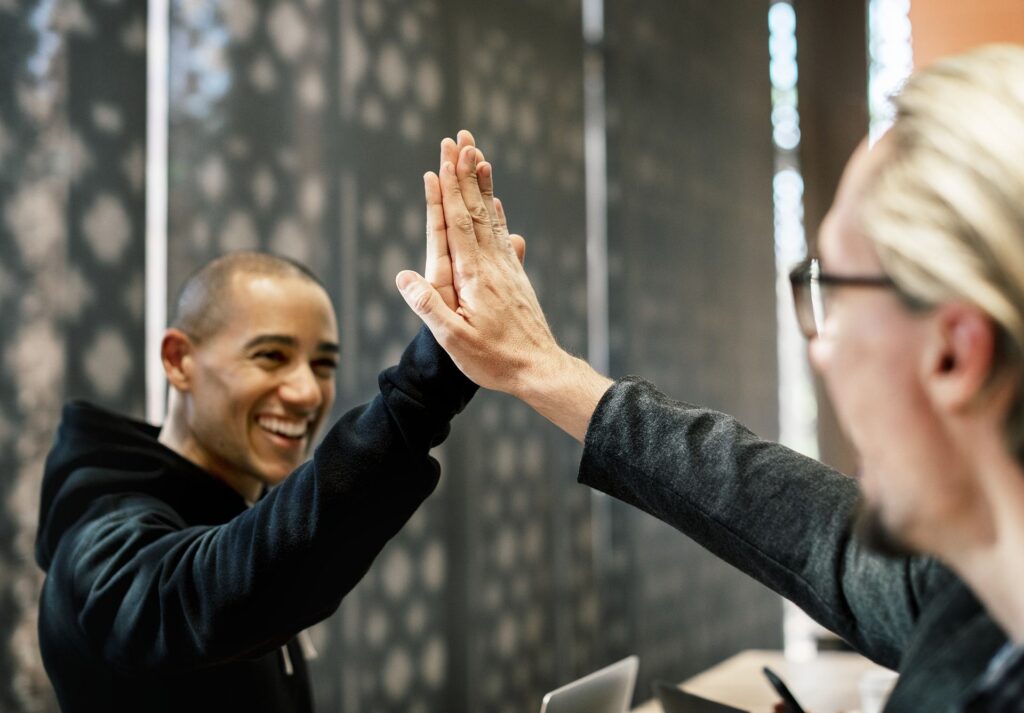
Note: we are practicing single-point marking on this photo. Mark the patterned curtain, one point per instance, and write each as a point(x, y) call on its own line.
point(72, 137)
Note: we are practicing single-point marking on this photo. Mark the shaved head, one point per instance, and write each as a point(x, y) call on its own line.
point(204, 302)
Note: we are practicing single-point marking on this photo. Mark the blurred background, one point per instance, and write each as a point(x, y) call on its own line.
point(662, 158)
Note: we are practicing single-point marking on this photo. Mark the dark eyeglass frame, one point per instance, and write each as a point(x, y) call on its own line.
point(807, 280)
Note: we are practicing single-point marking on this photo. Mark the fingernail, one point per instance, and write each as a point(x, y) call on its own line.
point(404, 280)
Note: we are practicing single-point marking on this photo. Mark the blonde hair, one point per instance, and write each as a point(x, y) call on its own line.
point(945, 210)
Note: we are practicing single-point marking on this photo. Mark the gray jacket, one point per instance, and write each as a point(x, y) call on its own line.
point(784, 519)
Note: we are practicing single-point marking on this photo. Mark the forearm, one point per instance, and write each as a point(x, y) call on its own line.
point(776, 515)
point(161, 593)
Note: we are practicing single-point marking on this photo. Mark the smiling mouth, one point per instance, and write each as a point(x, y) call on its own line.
point(283, 427)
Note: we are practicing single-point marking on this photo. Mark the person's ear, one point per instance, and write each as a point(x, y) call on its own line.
point(177, 354)
point(961, 356)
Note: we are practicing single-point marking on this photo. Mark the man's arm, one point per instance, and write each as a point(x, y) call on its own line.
point(154, 593)
point(778, 516)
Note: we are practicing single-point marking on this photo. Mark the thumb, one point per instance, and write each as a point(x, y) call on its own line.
point(426, 302)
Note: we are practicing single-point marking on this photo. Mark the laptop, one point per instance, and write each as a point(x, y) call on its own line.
point(675, 700)
point(608, 690)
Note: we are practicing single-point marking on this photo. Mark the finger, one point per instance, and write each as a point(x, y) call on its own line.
point(438, 270)
point(437, 241)
point(462, 240)
point(485, 177)
point(425, 301)
point(466, 171)
point(502, 229)
point(518, 246)
point(449, 152)
point(465, 138)
point(499, 208)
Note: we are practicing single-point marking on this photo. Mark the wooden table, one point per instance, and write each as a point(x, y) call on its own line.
point(828, 684)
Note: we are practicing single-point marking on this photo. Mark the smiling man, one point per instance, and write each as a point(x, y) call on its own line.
point(915, 313)
point(183, 562)
point(248, 403)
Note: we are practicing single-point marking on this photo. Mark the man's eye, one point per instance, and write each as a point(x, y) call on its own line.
point(325, 367)
point(271, 356)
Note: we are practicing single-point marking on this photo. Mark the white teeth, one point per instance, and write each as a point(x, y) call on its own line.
point(284, 427)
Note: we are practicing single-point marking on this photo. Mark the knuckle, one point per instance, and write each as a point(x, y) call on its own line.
point(462, 272)
point(464, 222)
point(480, 215)
point(422, 302)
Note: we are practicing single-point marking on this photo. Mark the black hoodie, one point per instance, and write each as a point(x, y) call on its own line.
point(164, 592)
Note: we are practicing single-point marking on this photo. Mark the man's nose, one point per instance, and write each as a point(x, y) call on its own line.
point(302, 388)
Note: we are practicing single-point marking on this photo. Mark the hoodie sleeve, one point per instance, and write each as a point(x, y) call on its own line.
point(150, 593)
point(776, 515)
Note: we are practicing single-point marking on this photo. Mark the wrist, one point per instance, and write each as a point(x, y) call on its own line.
point(540, 379)
point(565, 390)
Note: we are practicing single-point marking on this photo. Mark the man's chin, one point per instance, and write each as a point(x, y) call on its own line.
point(872, 532)
point(272, 475)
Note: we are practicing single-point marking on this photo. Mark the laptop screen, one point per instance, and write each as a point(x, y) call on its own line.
point(608, 690)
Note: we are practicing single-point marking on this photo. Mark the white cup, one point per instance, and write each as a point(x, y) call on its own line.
point(875, 686)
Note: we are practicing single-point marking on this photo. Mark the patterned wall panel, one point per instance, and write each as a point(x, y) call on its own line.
point(530, 600)
point(692, 292)
point(395, 650)
point(71, 213)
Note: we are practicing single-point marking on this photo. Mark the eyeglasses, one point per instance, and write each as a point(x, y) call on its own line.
point(811, 289)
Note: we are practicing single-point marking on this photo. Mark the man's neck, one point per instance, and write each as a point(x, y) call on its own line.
point(175, 435)
point(994, 566)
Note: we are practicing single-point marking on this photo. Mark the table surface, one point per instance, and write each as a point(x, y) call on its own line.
point(826, 684)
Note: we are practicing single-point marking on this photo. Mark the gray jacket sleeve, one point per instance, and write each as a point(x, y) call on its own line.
point(776, 515)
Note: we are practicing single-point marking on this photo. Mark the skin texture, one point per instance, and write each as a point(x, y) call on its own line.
point(270, 369)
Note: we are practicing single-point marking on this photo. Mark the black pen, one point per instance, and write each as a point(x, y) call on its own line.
point(787, 697)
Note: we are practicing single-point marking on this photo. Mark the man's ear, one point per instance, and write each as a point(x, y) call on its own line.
point(961, 356)
point(177, 354)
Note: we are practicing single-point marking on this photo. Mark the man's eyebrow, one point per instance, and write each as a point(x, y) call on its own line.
point(271, 339)
point(289, 341)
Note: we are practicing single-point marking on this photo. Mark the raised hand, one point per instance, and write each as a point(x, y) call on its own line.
point(439, 263)
point(497, 333)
